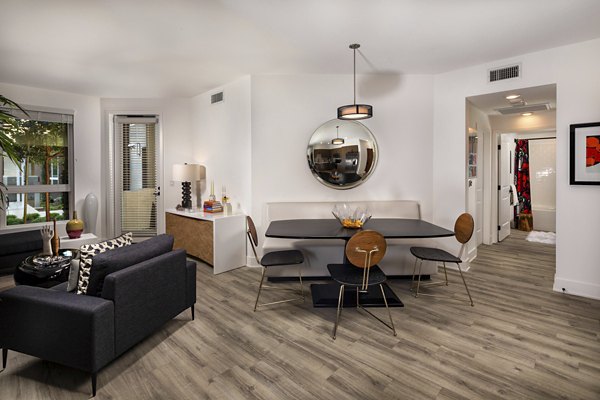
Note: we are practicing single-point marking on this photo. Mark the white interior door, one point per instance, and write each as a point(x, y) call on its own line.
point(505, 150)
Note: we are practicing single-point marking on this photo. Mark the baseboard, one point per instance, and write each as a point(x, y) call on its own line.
point(577, 288)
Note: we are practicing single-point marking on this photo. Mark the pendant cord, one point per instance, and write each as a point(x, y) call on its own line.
point(354, 76)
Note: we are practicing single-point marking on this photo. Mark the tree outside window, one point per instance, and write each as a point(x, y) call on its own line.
point(38, 184)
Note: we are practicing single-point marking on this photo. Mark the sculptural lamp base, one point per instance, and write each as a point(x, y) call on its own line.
point(186, 193)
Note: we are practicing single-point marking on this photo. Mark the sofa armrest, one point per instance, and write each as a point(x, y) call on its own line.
point(69, 329)
point(190, 293)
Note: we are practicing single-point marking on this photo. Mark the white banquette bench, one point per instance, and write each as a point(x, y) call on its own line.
point(319, 252)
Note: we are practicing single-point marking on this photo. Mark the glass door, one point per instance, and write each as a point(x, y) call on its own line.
point(137, 194)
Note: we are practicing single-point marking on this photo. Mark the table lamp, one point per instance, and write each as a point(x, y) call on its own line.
point(186, 174)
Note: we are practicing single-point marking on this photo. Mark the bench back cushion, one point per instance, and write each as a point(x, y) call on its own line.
point(313, 210)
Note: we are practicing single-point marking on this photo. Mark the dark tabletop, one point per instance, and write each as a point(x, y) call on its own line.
point(391, 228)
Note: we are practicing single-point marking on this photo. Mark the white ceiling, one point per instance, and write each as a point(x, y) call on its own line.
point(137, 48)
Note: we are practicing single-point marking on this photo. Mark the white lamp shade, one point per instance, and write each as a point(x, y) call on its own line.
point(187, 172)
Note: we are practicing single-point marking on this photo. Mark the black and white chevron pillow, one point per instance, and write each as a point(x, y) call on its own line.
point(88, 251)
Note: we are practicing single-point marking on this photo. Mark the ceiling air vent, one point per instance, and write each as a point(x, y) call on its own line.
point(499, 74)
point(216, 98)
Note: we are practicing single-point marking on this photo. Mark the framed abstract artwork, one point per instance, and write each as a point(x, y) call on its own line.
point(584, 160)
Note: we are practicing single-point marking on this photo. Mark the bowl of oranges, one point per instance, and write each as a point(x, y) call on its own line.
point(351, 218)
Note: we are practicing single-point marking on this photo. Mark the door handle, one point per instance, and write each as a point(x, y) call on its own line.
point(157, 191)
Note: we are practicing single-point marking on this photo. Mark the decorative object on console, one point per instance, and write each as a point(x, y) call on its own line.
point(350, 218)
point(55, 240)
point(212, 205)
point(227, 208)
point(355, 111)
point(342, 163)
point(47, 234)
point(74, 227)
point(186, 174)
point(584, 150)
point(90, 212)
point(212, 196)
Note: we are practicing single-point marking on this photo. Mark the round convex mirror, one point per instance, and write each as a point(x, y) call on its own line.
point(342, 154)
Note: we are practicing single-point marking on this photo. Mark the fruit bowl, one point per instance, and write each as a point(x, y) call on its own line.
point(351, 218)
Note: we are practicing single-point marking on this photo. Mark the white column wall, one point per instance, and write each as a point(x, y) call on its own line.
point(574, 69)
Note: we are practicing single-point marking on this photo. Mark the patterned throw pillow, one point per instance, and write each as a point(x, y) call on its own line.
point(88, 251)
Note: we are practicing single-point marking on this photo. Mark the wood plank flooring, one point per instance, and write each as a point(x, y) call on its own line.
point(520, 341)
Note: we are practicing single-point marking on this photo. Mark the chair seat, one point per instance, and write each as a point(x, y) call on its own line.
point(433, 254)
point(348, 274)
point(285, 257)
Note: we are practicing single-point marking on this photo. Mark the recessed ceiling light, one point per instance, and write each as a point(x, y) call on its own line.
point(526, 114)
point(512, 96)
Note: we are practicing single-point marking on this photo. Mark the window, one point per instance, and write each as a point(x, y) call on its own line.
point(40, 189)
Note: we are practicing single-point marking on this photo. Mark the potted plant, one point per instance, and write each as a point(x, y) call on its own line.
point(7, 144)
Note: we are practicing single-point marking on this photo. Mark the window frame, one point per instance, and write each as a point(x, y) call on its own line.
point(62, 188)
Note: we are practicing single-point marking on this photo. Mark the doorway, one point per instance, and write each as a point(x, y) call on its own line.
point(137, 200)
point(501, 121)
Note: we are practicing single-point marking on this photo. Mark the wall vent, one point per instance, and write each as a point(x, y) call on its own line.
point(509, 72)
point(216, 98)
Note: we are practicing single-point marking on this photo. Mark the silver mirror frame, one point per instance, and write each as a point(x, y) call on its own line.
point(349, 131)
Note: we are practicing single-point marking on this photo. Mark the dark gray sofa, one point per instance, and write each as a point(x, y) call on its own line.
point(138, 295)
point(17, 246)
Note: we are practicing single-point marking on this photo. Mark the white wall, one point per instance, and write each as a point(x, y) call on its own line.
point(175, 125)
point(574, 69)
point(221, 141)
point(86, 128)
point(287, 109)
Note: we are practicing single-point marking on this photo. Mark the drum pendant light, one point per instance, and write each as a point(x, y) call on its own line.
point(337, 140)
point(355, 111)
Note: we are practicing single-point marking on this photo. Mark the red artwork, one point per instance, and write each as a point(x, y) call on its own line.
point(592, 151)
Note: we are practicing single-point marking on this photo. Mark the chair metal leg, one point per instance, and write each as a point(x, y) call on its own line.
point(339, 310)
point(412, 283)
point(94, 376)
point(419, 281)
point(192, 308)
point(300, 276)
point(388, 309)
point(262, 278)
point(445, 273)
point(4, 357)
point(465, 283)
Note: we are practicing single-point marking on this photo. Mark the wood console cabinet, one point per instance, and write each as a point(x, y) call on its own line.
point(216, 239)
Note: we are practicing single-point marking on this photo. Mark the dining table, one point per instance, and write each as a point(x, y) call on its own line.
point(326, 294)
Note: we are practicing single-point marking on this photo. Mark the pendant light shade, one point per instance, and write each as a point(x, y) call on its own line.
point(355, 111)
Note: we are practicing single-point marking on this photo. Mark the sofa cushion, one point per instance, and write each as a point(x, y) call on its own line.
point(120, 258)
point(20, 242)
point(88, 251)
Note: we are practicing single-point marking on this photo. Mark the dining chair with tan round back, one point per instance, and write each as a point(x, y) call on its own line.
point(463, 231)
point(364, 250)
point(272, 259)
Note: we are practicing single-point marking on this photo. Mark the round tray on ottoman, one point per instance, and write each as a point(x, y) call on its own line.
point(45, 271)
